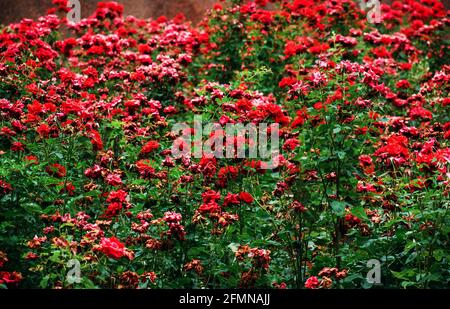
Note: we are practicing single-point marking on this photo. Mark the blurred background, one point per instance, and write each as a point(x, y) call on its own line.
point(14, 10)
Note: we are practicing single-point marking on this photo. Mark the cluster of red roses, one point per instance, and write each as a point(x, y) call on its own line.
point(9, 279)
point(86, 112)
point(259, 259)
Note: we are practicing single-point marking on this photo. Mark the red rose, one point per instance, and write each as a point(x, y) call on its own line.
point(211, 207)
point(231, 199)
point(32, 159)
point(420, 112)
point(145, 169)
point(43, 130)
point(291, 144)
point(10, 278)
point(298, 207)
point(113, 210)
point(149, 147)
point(96, 140)
point(312, 283)
point(17, 146)
point(112, 247)
point(5, 188)
point(246, 197)
point(56, 170)
point(119, 196)
point(365, 160)
point(210, 195)
point(114, 180)
point(403, 84)
point(94, 172)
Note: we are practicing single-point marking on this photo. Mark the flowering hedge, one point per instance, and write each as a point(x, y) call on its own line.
point(87, 174)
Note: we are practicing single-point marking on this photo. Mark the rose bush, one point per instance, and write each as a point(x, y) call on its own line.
point(87, 170)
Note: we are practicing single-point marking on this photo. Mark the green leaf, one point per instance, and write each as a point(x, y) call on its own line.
point(32, 207)
point(55, 257)
point(406, 284)
point(44, 282)
point(341, 154)
point(359, 212)
point(406, 274)
point(338, 208)
point(439, 254)
point(58, 155)
point(233, 246)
